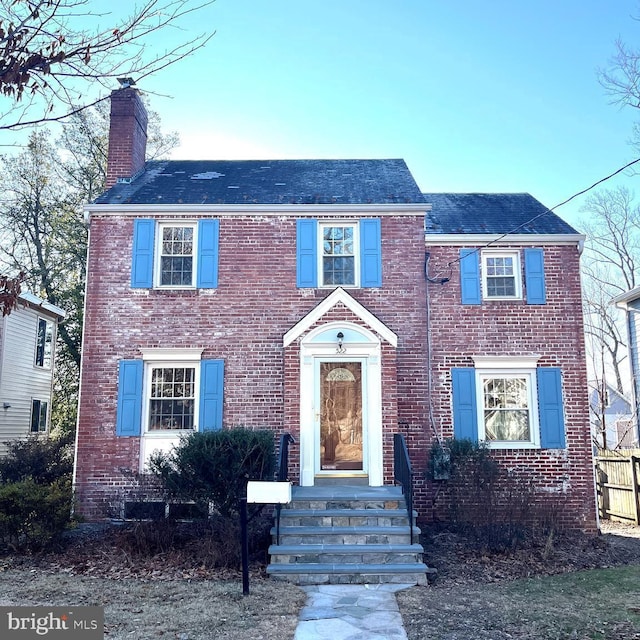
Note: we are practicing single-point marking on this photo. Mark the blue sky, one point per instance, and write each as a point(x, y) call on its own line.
point(475, 95)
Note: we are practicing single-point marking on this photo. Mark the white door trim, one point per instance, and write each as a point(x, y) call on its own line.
point(359, 344)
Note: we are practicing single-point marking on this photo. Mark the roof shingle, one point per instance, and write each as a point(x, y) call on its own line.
point(236, 182)
point(491, 213)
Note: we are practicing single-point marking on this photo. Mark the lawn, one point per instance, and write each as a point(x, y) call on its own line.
point(596, 604)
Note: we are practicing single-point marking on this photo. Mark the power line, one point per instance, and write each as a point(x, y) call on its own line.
point(551, 210)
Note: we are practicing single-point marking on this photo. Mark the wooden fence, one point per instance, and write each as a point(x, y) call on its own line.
point(618, 484)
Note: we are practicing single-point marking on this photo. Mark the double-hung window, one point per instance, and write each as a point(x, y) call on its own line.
point(507, 408)
point(338, 253)
point(44, 344)
point(509, 402)
point(175, 254)
point(501, 278)
point(496, 275)
point(171, 397)
point(176, 264)
point(168, 392)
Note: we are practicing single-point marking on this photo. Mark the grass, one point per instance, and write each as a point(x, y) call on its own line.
point(150, 608)
point(598, 604)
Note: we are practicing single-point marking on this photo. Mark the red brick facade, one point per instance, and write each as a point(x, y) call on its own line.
point(243, 322)
point(552, 331)
point(127, 136)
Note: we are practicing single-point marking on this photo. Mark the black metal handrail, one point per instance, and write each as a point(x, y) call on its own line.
point(283, 472)
point(283, 456)
point(403, 474)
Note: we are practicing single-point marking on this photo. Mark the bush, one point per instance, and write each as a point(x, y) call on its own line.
point(494, 506)
point(213, 467)
point(35, 493)
point(43, 460)
point(33, 515)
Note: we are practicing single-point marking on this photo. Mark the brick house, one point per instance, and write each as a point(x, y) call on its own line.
point(300, 296)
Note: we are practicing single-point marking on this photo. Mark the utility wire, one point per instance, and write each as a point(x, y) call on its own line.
point(546, 211)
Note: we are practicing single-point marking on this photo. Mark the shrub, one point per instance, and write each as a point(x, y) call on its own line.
point(496, 507)
point(213, 467)
point(43, 460)
point(33, 515)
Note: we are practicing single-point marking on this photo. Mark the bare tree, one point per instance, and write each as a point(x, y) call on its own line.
point(43, 229)
point(51, 66)
point(610, 265)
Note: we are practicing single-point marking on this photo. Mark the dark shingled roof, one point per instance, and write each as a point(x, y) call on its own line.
point(235, 182)
point(491, 213)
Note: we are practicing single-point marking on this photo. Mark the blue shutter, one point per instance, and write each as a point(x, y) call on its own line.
point(465, 410)
point(550, 408)
point(211, 394)
point(208, 235)
point(470, 276)
point(142, 259)
point(370, 253)
point(534, 276)
point(306, 253)
point(129, 412)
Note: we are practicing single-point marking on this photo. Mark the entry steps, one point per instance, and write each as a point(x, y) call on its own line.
point(346, 534)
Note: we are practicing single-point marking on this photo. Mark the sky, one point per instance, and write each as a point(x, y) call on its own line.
point(475, 95)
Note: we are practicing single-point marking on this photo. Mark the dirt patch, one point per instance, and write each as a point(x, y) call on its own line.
point(565, 587)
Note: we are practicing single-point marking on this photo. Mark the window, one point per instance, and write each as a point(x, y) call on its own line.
point(501, 275)
point(175, 252)
point(509, 403)
point(497, 275)
point(172, 398)
point(44, 344)
point(175, 255)
point(39, 416)
point(169, 390)
point(338, 254)
point(506, 413)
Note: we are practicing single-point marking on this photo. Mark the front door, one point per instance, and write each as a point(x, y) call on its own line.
point(341, 417)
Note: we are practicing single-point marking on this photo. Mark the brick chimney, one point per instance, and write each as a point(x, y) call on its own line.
point(127, 136)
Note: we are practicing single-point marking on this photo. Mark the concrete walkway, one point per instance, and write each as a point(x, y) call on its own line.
point(351, 612)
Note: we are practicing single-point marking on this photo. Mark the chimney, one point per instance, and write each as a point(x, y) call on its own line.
point(127, 136)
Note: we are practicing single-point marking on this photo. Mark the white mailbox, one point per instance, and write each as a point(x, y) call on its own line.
point(268, 492)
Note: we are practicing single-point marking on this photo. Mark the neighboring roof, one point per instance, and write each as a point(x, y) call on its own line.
point(39, 304)
point(242, 182)
point(491, 213)
point(627, 298)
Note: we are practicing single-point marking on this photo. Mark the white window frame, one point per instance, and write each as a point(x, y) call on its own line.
point(517, 274)
point(169, 359)
point(508, 367)
point(47, 356)
point(322, 225)
point(157, 271)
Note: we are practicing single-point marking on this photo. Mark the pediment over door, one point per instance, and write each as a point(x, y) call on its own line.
point(340, 297)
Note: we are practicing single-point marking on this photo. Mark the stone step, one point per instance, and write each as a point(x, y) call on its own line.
point(337, 573)
point(304, 554)
point(345, 535)
point(344, 517)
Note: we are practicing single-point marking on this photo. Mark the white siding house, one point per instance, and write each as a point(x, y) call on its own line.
point(27, 349)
